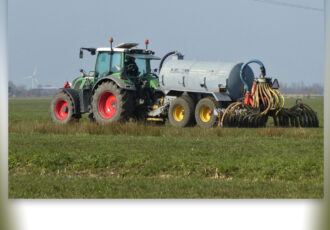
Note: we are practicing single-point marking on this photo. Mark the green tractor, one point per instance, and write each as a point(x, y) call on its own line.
point(122, 86)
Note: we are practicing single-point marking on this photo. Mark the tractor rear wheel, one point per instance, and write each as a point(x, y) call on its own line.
point(204, 112)
point(111, 103)
point(62, 109)
point(181, 111)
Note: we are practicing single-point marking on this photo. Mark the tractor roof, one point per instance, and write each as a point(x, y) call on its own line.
point(127, 45)
point(126, 50)
point(107, 49)
point(119, 48)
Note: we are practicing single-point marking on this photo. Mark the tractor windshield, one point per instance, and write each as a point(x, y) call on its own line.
point(134, 66)
point(142, 65)
point(138, 64)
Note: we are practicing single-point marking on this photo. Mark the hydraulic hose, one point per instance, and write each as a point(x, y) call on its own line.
point(262, 68)
point(163, 59)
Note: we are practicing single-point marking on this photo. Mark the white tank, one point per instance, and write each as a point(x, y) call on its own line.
point(204, 77)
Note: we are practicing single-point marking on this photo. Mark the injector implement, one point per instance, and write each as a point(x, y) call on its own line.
point(265, 100)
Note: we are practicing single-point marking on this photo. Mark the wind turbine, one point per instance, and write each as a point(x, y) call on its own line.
point(34, 80)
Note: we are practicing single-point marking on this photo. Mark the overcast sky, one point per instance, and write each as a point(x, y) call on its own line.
point(48, 34)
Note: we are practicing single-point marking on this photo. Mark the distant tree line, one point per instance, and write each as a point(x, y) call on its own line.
point(301, 89)
point(293, 88)
point(22, 91)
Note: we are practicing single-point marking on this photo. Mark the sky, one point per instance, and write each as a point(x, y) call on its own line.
point(48, 35)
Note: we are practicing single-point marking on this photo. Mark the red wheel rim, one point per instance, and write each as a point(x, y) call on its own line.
point(61, 109)
point(107, 104)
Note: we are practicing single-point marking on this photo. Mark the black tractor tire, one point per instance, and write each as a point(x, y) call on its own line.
point(140, 113)
point(181, 111)
point(62, 109)
point(91, 117)
point(111, 103)
point(204, 115)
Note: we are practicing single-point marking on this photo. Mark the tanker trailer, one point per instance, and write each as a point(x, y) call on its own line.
point(196, 90)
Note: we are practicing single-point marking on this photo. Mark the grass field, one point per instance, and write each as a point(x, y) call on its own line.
point(136, 160)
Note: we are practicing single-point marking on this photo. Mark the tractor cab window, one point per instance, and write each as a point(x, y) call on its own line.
point(135, 66)
point(103, 63)
point(141, 63)
point(116, 62)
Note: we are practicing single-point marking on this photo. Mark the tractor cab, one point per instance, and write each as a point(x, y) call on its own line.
point(123, 61)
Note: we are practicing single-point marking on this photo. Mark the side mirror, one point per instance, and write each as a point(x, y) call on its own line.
point(83, 72)
point(81, 55)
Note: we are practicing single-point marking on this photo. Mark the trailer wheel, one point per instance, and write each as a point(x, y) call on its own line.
point(62, 109)
point(181, 111)
point(204, 112)
point(111, 103)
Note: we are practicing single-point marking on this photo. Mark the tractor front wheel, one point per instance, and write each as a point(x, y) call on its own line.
point(111, 103)
point(62, 109)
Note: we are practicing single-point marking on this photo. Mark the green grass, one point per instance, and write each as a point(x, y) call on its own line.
point(136, 160)
point(82, 187)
